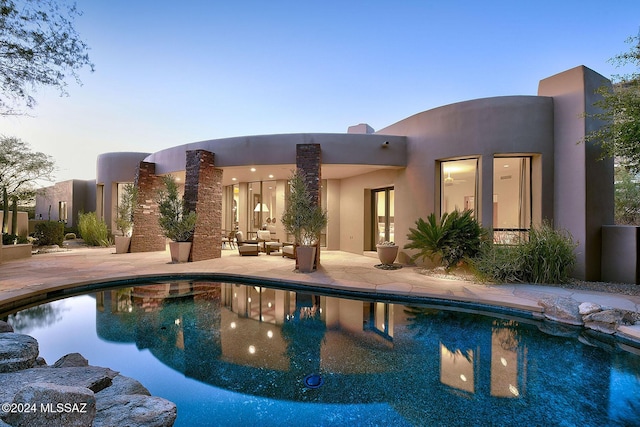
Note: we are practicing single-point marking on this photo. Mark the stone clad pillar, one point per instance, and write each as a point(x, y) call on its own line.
point(147, 235)
point(309, 161)
point(203, 194)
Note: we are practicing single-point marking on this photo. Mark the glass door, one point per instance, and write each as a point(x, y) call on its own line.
point(383, 215)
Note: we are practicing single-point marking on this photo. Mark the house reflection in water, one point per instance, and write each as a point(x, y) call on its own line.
point(416, 359)
point(228, 334)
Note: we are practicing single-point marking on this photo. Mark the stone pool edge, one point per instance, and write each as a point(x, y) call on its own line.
point(628, 335)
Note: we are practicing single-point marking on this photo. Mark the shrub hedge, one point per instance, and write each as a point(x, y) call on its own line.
point(49, 233)
point(93, 231)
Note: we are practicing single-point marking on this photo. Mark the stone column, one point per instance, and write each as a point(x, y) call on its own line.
point(147, 235)
point(309, 161)
point(203, 194)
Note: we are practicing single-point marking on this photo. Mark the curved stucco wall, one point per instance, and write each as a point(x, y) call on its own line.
point(478, 128)
point(112, 168)
point(118, 167)
point(342, 149)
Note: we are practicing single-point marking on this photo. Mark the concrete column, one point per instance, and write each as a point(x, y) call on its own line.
point(147, 235)
point(583, 184)
point(203, 194)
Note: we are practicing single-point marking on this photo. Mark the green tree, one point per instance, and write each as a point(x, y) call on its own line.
point(619, 135)
point(627, 198)
point(20, 168)
point(176, 220)
point(302, 217)
point(39, 46)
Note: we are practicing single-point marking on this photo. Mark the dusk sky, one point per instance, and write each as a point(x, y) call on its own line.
point(170, 73)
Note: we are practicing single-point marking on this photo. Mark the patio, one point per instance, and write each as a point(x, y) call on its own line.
point(26, 278)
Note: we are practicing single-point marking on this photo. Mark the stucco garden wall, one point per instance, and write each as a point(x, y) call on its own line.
point(23, 223)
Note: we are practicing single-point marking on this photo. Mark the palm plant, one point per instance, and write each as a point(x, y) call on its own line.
point(455, 236)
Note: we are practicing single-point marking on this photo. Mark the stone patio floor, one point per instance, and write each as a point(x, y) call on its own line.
point(22, 279)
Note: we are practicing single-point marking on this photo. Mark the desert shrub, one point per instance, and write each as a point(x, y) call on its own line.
point(546, 257)
point(454, 237)
point(73, 230)
point(8, 239)
point(49, 233)
point(497, 263)
point(94, 231)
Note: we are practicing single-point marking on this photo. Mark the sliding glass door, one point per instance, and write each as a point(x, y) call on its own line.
point(383, 215)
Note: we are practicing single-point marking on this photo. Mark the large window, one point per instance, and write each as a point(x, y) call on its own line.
point(458, 185)
point(262, 205)
point(511, 198)
point(383, 214)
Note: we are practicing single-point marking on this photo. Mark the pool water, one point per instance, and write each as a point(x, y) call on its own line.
point(230, 354)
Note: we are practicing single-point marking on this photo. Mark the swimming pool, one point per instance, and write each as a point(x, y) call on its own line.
point(231, 354)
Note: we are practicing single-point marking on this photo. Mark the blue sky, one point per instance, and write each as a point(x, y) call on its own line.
point(169, 73)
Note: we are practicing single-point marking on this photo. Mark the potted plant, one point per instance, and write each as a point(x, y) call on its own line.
point(124, 218)
point(303, 219)
point(387, 252)
point(176, 221)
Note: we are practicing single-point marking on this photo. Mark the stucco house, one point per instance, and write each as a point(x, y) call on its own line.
point(64, 201)
point(514, 160)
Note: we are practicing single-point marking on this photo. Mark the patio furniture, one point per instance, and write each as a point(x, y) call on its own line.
point(264, 238)
point(272, 247)
point(228, 238)
point(246, 247)
point(288, 250)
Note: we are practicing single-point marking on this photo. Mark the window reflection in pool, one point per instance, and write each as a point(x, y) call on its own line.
point(231, 354)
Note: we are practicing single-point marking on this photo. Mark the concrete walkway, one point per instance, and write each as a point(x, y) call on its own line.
point(28, 279)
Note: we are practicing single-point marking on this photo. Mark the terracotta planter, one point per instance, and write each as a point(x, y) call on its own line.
point(122, 244)
point(387, 254)
point(180, 251)
point(306, 256)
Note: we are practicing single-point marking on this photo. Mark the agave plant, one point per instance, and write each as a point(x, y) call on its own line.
point(455, 236)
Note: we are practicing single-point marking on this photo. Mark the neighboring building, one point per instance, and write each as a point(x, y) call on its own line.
point(65, 200)
point(514, 160)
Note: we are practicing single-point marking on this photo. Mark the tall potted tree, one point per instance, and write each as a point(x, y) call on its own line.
point(124, 218)
point(176, 221)
point(303, 219)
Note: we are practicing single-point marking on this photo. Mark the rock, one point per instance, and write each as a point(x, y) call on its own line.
point(561, 309)
point(559, 329)
point(122, 386)
point(71, 360)
point(630, 318)
point(588, 308)
point(71, 393)
point(94, 378)
point(605, 321)
point(5, 327)
point(53, 405)
point(17, 351)
point(135, 411)
point(596, 339)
